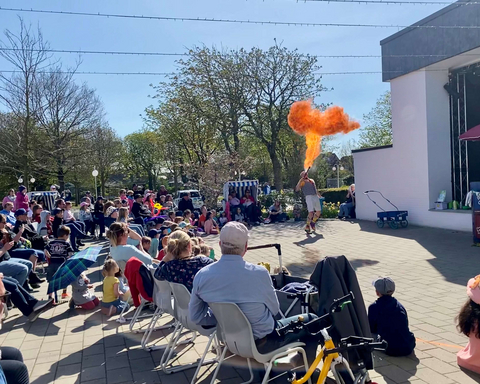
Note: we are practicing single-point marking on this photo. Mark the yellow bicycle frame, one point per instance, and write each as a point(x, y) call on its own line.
point(326, 364)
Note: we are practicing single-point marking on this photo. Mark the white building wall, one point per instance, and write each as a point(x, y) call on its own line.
point(438, 135)
point(413, 172)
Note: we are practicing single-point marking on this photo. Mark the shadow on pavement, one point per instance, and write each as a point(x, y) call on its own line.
point(445, 246)
point(310, 239)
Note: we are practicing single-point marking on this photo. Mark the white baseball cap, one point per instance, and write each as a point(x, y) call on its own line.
point(234, 234)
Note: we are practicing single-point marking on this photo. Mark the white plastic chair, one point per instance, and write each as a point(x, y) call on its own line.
point(235, 331)
point(163, 299)
point(181, 300)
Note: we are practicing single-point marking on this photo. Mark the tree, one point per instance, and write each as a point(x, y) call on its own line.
point(65, 112)
point(106, 147)
point(27, 52)
point(275, 79)
point(144, 149)
point(236, 97)
point(218, 78)
point(378, 124)
point(220, 168)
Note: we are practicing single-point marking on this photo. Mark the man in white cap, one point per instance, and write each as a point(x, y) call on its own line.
point(233, 280)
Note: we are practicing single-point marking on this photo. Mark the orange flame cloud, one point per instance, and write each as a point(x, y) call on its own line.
point(314, 124)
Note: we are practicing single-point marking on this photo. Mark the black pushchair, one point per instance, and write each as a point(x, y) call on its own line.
point(300, 299)
point(332, 277)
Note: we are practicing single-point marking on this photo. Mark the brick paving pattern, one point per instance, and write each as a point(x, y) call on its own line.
point(430, 268)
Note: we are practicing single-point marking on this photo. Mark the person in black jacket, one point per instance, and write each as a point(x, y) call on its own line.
point(185, 203)
point(139, 210)
point(99, 216)
point(388, 319)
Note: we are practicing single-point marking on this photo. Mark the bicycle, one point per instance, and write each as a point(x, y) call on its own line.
point(333, 359)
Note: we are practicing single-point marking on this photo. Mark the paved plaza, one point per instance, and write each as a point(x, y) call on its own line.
point(430, 267)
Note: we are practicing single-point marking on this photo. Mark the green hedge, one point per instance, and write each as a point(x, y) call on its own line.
point(334, 195)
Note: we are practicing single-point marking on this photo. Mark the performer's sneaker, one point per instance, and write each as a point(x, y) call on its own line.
point(308, 229)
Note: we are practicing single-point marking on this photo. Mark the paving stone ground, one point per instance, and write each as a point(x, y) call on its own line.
point(430, 268)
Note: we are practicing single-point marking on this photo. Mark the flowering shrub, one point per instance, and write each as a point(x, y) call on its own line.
point(330, 210)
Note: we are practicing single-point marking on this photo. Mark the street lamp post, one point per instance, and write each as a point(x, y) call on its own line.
point(338, 168)
point(20, 179)
point(95, 174)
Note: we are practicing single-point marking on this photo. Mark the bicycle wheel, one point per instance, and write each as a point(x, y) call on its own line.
point(343, 374)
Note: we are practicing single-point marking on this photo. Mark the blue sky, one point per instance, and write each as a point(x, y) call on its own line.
point(125, 97)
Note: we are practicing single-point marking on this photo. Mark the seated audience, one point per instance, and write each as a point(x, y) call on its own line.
point(9, 198)
point(76, 233)
point(118, 234)
point(82, 296)
point(123, 197)
point(111, 302)
point(26, 303)
point(31, 204)
point(233, 280)
point(36, 211)
point(45, 226)
point(85, 216)
point(203, 217)
point(123, 215)
point(348, 204)
point(469, 324)
point(57, 252)
point(388, 319)
point(248, 204)
point(187, 218)
point(17, 268)
point(36, 241)
point(183, 267)
point(276, 213)
point(12, 368)
point(140, 210)
point(154, 236)
point(21, 251)
point(169, 202)
point(222, 220)
point(234, 202)
point(146, 244)
point(8, 213)
point(211, 226)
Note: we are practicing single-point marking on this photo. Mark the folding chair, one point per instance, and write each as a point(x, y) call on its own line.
point(163, 299)
point(181, 300)
point(236, 333)
point(147, 280)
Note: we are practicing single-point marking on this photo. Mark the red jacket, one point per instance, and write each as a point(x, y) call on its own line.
point(135, 281)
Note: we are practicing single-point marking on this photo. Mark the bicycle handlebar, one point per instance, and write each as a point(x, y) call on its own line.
point(358, 343)
point(299, 324)
point(339, 304)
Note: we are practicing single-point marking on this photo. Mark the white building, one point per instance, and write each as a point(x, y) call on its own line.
point(434, 75)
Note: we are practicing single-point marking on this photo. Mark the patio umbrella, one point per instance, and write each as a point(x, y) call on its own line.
point(72, 268)
point(473, 134)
